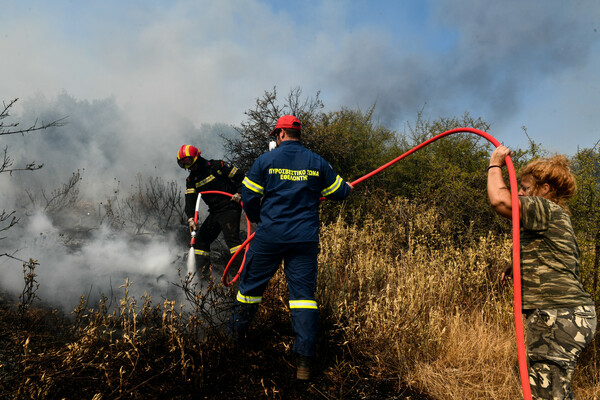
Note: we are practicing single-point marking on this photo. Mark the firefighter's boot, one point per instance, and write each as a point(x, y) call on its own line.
point(303, 368)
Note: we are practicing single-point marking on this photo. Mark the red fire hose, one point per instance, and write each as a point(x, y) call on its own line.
point(515, 253)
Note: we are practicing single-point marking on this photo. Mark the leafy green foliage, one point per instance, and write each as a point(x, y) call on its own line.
point(449, 174)
point(354, 146)
point(585, 208)
point(352, 142)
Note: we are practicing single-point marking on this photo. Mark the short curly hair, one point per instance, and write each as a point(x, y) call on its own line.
point(556, 173)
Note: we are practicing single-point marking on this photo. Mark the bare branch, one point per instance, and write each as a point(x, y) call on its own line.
point(11, 128)
point(7, 163)
point(8, 218)
point(7, 221)
point(11, 256)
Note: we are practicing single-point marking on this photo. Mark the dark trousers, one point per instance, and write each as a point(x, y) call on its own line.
point(300, 266)
point(228, 222)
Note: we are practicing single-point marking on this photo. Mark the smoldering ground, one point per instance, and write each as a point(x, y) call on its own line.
point(84, 216)
point(92, 263)
point(80, 253)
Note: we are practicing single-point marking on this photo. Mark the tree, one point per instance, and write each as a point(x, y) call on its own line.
point(585, 208)
point(349, 139)
point(253, 140)
point(449, 174)
point(13, 129)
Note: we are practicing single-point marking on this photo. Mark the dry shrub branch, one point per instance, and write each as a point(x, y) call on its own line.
point(136, 350)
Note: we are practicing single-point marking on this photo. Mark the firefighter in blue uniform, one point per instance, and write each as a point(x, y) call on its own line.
point(281, 193)
point(224, 212)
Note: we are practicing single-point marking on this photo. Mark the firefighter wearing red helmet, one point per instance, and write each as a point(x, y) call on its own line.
point(281, 193)
point(224, 212)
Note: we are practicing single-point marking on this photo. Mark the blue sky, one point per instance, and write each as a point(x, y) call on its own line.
point(152, 74)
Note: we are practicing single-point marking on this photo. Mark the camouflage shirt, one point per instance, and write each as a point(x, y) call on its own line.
point(549, 257)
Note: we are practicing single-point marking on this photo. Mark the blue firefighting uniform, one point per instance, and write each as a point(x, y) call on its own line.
point(281, 193)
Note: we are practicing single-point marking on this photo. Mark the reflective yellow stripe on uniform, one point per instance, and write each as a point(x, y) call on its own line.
point(253, 186)
point(336, 185)
point(199, 252)
point(303, 304)
point(248, 299)
point(233, 172)
point(190, 191)
point(205, 181)
point(234, 249)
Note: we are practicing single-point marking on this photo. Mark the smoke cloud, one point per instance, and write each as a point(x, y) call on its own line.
point(99, 266)
point(78, 252)
point(496, 53)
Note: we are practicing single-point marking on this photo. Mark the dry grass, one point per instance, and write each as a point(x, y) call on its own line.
point(131, 351)
point(421, 309)
point(403, 307)
point(586, 380)
point(477, 361)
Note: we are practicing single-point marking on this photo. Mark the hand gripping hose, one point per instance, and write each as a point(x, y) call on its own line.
point(515, 253)
point(192, 264)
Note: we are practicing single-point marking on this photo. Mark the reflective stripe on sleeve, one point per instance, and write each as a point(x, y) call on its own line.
point(205, 181)
point(234, 249)
point(312, 304)
point(199, 252)
point(336, 185)
point(253, 186)
point(190, 191)
point(248, 299)
point(233, 172)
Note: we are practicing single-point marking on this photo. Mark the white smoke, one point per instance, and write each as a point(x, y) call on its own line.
point(78, 252)
point(96, 264)
point(514, 63)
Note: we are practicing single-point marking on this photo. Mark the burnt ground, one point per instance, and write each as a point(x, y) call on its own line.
point(260, 367)
point(263, 367)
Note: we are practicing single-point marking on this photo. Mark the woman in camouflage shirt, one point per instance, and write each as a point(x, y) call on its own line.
point(561, 318)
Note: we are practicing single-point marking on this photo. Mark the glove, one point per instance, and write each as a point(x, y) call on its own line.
point(192, 225)
point(236, 197)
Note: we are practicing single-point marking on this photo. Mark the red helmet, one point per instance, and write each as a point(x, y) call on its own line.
point(187, 156)
point(286, 122)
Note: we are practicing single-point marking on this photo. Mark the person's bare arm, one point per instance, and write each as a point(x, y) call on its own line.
point(498, 192)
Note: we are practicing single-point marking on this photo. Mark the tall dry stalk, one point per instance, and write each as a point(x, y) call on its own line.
point(418, 306)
